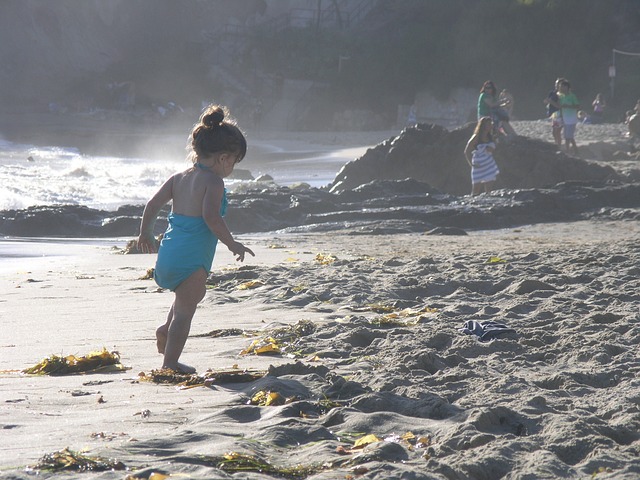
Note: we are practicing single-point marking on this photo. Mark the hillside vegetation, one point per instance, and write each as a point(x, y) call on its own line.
point(68, 50)
point(523, 45)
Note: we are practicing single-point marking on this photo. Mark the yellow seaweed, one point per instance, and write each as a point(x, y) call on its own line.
point(262, 346)
point(238, 462)
point(148, 275)
point(266, 398)
point(495, 259)
point(325, 259)
point(250, 285)
point(281, 340)
point(366, 440)
point(66, 459)
point(94, 361)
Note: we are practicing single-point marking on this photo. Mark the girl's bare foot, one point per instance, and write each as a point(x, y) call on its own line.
point(181, 367)
point(161, 338)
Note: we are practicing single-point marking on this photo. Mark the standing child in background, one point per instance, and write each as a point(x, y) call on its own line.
point(569, 107)
point(187, 249)
point(479, 155)
point(598, 109)
point(553, 112)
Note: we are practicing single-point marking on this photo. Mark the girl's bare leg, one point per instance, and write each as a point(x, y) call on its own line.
point(162, 331)
point(476, 189)
point(570, 145)
point(575, 147)
point(188, 295)
point(488, 186)
point(508, 129)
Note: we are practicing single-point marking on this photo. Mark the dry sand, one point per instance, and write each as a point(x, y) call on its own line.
point(382, 354)
point(559, 398)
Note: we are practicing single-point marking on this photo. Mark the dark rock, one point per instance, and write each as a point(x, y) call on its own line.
point(446, 231)
point(264, 178)
point(65, 220)
point(397, 186)
point(241, 174)
point(73, 221)
point(378, 207)
point(634, 125)
point(431, 154)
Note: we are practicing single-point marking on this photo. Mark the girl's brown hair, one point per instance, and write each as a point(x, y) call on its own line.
point(482, 122)
point(488, 84)
point(216, 132)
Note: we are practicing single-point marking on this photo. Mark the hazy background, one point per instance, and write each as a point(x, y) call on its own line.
point(310, 64)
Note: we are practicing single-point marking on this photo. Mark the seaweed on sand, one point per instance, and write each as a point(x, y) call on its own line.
point(95, 361)
point(66, 459)
point(234, 462)
point(281, 340)
point(210, 377)
point(227, 332)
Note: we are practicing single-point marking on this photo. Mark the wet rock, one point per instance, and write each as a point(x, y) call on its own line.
point(410, 183)
point(634, 125)
point(266, 178)
point(74, 221)
point(378, 207)
point(66, 220)
point(241, 174)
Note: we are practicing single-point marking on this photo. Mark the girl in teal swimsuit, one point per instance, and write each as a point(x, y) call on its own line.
point(188, 246)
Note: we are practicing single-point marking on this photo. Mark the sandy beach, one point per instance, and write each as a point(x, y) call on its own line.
point(374, 376)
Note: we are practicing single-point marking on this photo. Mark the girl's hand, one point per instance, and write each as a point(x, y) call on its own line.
point(147, 244)
point(239, 250)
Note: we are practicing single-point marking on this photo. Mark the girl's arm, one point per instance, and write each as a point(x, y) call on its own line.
point(211, 204)
point(471, 145)
point(548, 101)
point(146, 240)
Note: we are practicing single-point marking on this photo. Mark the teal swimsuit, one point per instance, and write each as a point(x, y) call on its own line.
point(187, 245)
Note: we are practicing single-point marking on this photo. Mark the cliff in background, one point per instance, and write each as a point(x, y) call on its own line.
point(68, 50)
point(73, 52)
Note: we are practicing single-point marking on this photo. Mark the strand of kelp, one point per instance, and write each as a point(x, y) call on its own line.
point(101, 360)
